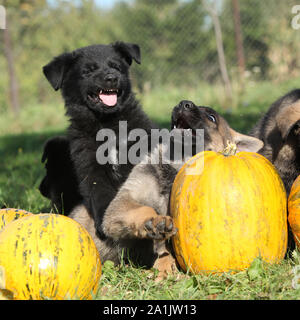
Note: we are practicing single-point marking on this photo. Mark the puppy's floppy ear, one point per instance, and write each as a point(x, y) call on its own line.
point(246, 143)
point(287, 117)
point(129, 51)
point(55, 70)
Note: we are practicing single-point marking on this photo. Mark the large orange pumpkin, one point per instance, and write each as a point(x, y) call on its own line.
point(294, 210)
point(229, 209)
point(48, 256)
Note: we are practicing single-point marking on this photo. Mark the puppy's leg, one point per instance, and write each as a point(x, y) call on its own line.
point(131, 214)
point(108, 249)
point(165, 263)
point(125, 218)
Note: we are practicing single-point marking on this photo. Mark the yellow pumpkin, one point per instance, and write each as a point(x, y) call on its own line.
point(229, 209)
point(48, 256)
point(294, 210)
point(8, 215)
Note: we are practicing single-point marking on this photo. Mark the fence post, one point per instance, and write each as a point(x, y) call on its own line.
point(2, 17)
point(212, 9)
point(238, 38)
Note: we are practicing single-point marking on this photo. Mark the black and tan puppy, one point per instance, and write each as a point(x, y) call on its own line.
point(138, 220)
point(279, 129)
point(96, 88)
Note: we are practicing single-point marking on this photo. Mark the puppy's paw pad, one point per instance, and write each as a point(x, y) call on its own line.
point(160, 228)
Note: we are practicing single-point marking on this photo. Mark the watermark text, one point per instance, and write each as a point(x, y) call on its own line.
point(160, 146)
point(296, 19)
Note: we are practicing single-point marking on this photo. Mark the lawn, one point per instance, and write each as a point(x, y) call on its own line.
point(21, 144)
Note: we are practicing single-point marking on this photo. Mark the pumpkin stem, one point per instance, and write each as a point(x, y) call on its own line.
point(230, 149)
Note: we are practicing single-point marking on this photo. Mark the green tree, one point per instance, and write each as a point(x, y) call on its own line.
point(174, 39)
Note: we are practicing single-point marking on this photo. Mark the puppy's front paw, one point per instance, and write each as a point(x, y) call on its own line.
point(160, 228)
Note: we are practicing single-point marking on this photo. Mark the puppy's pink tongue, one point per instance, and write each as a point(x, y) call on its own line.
point(109, 99)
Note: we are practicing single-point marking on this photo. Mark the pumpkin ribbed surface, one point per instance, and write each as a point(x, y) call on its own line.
point(9, 215)
point(48, 256)
point(228, 214)
point(294, 210)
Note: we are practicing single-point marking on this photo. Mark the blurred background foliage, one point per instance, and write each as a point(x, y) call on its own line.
point(177, 39)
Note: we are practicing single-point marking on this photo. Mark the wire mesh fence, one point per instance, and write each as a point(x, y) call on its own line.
point(183, 42)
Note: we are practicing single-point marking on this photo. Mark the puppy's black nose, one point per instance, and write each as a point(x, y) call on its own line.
point(187, 105)
point(111, 80)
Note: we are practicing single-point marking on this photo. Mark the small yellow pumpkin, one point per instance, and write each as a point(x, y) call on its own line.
point(229, 209)
point(294, 210)
point(8, 215)
point(48, 256)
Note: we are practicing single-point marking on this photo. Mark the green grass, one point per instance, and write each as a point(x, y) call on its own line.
point(260, 281)
point(21, 145)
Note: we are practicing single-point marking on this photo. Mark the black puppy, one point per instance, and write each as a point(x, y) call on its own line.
point(96, 88)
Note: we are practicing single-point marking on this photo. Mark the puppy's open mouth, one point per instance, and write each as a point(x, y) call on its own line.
point(108, 97)
point(183, 125)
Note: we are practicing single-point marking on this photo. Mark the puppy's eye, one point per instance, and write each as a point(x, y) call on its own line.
point(88, 70)
point(212, 118)
point(115, 66)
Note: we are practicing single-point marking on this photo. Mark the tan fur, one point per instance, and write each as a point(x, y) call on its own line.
point(128, 213)
point(132, 224)
point(244, 142)
point(287, 117)
point(279, 130)
point(220, 136)
point(223, 133)
point(165, 264)
point(107, 249)
point(138, 217)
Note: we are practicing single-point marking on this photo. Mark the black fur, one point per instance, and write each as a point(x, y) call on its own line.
point(82, 76)
point(60, 184)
